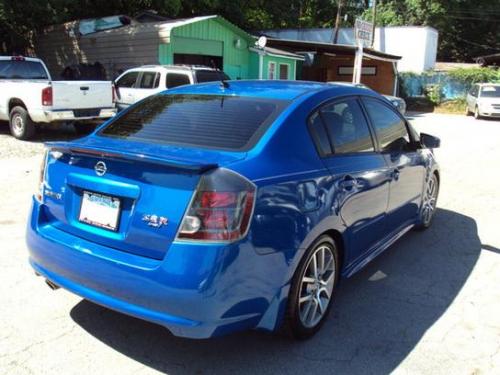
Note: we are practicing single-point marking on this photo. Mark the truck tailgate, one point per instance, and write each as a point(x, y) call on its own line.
point(82, 95)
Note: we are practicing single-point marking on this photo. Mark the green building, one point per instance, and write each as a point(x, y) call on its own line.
point(208, 40)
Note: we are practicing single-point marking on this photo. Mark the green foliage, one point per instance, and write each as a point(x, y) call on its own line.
point(470, 76)
point(467, 28)
point(456, 106)
point(434, 93)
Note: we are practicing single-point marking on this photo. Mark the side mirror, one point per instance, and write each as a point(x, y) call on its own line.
point(429, 141)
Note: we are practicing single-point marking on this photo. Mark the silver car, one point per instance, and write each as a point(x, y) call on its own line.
point(483, 100)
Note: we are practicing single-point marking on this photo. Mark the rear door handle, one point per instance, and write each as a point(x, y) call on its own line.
point(349, 183)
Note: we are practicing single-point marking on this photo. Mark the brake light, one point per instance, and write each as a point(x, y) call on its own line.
point(47, 96)
point(113, 93)
point(41, 178)
point(221, 209)
point(17, 58)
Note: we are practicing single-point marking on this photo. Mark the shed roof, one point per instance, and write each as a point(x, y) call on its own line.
point(340, 49)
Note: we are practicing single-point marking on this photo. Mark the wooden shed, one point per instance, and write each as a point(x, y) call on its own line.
point(329, 62)
point(208, 40)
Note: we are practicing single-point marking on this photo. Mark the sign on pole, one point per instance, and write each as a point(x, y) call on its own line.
point(363, 31)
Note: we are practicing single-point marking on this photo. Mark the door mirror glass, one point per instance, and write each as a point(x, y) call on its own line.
point(429, 141)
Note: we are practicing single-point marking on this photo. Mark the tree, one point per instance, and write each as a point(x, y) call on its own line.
point(467, 28)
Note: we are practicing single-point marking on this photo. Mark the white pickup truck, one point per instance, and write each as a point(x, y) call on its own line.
point(28, 97)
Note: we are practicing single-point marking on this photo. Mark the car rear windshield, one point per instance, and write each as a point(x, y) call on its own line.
point(206, 121)
point(210, 76)
point(21, 69)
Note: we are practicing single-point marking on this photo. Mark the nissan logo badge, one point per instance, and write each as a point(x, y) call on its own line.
point(100, 168)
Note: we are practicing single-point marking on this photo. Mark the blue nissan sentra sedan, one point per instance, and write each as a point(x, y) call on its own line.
point(216, 208)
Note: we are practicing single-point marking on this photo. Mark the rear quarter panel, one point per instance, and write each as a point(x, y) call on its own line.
point(27, 91)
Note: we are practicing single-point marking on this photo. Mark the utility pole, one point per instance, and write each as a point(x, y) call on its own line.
point(374, 20)
point(337, 20)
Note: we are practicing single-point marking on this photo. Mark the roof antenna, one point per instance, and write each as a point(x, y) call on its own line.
point(223, 83)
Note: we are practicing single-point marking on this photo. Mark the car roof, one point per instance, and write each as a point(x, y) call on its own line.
point(270, 89)
point(3, 58)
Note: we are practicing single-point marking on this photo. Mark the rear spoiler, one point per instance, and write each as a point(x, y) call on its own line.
point(101, 152)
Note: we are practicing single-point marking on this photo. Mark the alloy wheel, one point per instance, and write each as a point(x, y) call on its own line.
point(317, 286)
point(430, 200)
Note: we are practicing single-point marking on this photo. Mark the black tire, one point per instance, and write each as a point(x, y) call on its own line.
point(423, 223)
point(20, 123)
point(477, 116)
point(293, 324)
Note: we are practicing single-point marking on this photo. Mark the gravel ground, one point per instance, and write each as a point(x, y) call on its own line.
point(429, 305)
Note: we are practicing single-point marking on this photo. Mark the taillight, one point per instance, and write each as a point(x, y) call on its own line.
point(41, 177)
point(221, 209)
point(113, 93)
point(47, 96)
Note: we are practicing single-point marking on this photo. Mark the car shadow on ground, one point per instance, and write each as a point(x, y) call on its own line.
point(379, 316)
point(47, 133)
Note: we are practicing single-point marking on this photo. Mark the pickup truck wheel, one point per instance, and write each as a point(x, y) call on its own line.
point(21, 125)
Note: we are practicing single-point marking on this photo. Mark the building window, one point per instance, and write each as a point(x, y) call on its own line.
point(283, 71)
point(365, 70)
point(271, 74)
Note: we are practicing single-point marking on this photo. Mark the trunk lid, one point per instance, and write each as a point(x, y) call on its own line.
point(153, 184)
point(69, 95)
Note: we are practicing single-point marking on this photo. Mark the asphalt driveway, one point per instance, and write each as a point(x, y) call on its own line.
point(430, 304)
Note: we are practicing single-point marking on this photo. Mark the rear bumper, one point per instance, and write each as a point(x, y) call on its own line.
point(195, 291)
point(69, 115)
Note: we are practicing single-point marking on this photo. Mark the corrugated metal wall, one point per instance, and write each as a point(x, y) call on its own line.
point(116, 50)
point(235, 54)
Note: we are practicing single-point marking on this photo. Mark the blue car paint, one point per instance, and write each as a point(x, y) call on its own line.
point(205, 290)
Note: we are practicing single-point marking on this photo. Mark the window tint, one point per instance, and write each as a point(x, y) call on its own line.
point(211, 121)
point(210, 76)
point(128, 80)
point(389, 126)
point(22, 70)
point(149, 80)
point(177, 79)
point(283, 71)
point(347, 127)
point(319, 134)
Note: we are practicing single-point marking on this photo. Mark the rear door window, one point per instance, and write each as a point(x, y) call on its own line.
point(206, 121)
point(149, 80)
point(390, 128)
point(177, 79)
point(210, 76)
point(128, 80)
point(347, 127)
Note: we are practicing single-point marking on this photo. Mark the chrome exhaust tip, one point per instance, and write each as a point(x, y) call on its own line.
point(51, 285)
